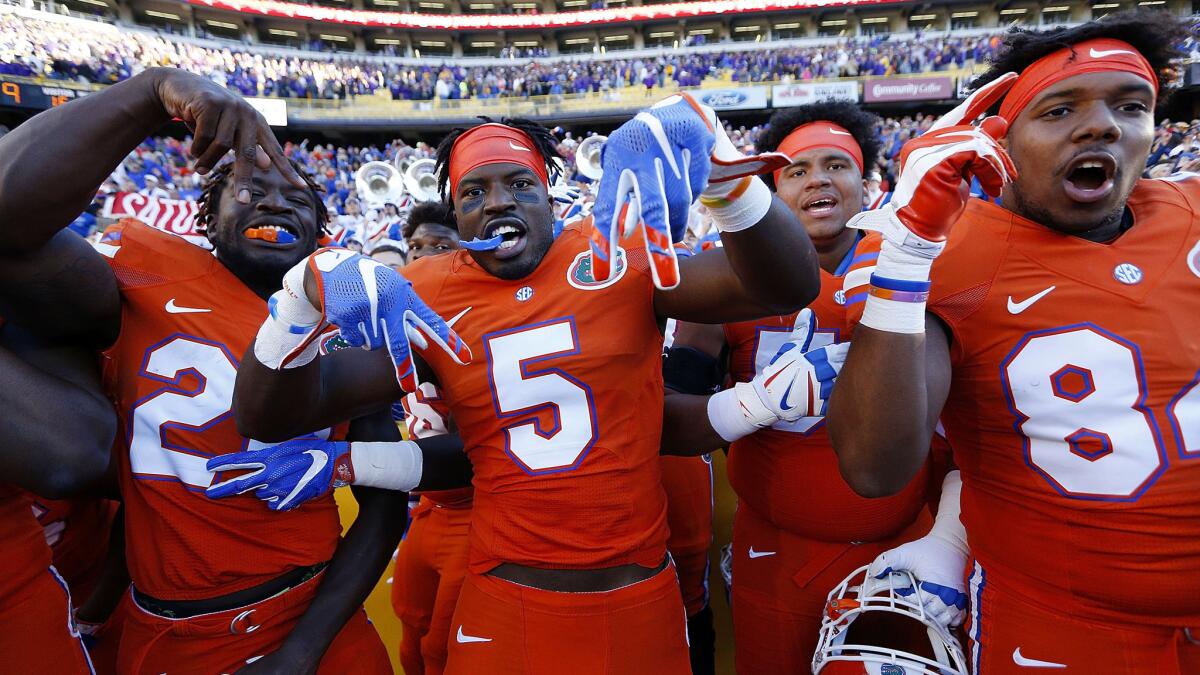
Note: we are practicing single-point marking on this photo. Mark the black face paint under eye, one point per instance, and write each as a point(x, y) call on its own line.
point(472, 204)
point(526, 197)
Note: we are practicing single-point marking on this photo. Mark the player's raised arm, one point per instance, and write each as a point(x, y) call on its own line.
point(284, 388)
point(883, 412)
point(51, 166)
point(655, 166)
point(57, 425)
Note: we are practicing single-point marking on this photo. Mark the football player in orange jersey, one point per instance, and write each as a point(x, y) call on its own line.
point(560, 407)
point(1057, 344)
point(56, 441)
point(217, 586)
point(799, 529)
point(432, 559)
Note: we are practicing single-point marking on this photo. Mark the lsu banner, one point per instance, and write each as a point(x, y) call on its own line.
point(788, 95)
point(176, 216)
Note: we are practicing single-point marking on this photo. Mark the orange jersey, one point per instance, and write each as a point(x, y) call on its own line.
point(561, 409)
point(186, 320)
point(788, 474)
point(426, 414)
point(1073, 410)
point(77, 531)
point(25, 553)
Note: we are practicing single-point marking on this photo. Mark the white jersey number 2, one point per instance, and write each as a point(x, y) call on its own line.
point(526, 387)
point(1079, 394)
point(173, 408)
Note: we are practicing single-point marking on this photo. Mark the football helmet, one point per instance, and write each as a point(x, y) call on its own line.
point(868, 627)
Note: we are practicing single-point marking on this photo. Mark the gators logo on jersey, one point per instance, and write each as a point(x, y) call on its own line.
point(332, 342)
point(581, 276)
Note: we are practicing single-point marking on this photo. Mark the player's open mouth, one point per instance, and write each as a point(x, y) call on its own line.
point(820, 205)
point(513, 232)
point(274, 231)
point(1090, 177)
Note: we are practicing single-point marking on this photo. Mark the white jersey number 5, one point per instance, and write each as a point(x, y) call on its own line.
point(527, 387)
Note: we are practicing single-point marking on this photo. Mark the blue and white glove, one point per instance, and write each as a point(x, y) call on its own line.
point(938, 560)
point(285, 475)
point(289, 474)
point(796, 383)
point(375, 307)
point(655, 166)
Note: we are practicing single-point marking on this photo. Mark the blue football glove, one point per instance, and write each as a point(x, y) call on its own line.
point(285, 475)
point(655, 165)
point(375, 307)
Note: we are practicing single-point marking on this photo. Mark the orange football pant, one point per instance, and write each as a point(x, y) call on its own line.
point(35, 629)
point(1009, 632)
point(502, 628)
point(779, 594)
point(223, 642)
point(428, 576)
point(688, 484)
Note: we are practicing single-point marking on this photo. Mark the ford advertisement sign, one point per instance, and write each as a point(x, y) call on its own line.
point(742, 98)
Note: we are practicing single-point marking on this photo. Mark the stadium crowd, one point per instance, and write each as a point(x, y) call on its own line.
point(54, 50)
point(160, 166)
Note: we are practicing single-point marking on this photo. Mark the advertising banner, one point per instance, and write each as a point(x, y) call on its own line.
point(890, 89)
point(176, 216)
point(739, 98)
point(804, 93)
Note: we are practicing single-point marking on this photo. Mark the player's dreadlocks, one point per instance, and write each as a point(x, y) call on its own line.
point(860, 123)
point(1156, 34)
point(438, 212)
point(210, 195)
point(543, 141)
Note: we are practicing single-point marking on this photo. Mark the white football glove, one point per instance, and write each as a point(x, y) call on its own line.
point(938, 560)
point(797, 383)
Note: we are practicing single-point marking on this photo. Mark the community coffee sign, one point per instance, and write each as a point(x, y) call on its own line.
point(908, 89)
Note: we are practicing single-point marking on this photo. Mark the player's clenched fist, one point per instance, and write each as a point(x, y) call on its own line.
point(655, 166)
point(796, 383)
point(372, 305)
point(929, 195)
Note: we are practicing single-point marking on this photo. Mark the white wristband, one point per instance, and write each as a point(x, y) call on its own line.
point(906, 264)
point(292, 321)
point(738, 412)
point(741, 211)
point(389, 465)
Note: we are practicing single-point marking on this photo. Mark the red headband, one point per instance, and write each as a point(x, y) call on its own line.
point(494, 144)
point(1089, 56)
point(820, 135)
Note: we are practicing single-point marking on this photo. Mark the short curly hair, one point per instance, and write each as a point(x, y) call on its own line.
point(861, 124)
point(1156, 34)
point(438, 212)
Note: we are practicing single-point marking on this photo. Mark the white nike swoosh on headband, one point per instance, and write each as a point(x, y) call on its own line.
point(522, 148)
point(1101, 53)
point(840, 133)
